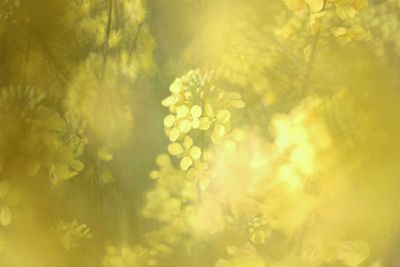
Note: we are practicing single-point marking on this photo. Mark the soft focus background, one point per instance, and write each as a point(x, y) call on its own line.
point(201, 133)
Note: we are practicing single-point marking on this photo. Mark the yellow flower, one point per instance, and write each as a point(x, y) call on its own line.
point(179, 94)
point(315, 5)
point(353, 253)
point(221, 120)
point(165, 167)
point(258, 237)
point(315, 21)
point(232, 138)
point(128, 257)
point(183, 122)
point(70, 233)
point(347, 34)
point(64, 166)
point(9, 197)
point(218, 120)
point(186, 151)
point(347, 9)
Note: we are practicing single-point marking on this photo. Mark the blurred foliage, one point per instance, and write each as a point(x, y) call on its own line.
point(199, 133)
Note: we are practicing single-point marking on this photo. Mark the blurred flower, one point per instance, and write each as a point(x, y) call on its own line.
point(183, 122)
point(137, 256)
point(71, 233)
point(9, 197)
point(37, 134)
point(186, 151)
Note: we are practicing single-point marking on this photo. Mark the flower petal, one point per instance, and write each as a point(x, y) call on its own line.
point(195, 152)
point(196, 111)
point(315, 5)
point(208, 110)
point(169, 121)
point(185, 126)
point(204, 123)
point(168, 101)
point(223, 116)
point(230, 145)
point(219, 130)
point(185, 163)
point(195, 123)
point(182, 111)
point(174, 134)
point(175, 149)
point(187, 142)
point(175, 86)
point(5, 215)
point(238, 135)
point(238, 104)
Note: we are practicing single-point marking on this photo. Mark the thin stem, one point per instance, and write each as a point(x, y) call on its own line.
point(26, 62)
point(62, 70)
point(310, 64)
point(201, 136)
point(108, 32)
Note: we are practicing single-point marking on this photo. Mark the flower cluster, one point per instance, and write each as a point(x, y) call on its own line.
point(200, 116)
point(38, 135)
point(127, 257)
point(198, 109)
point(344, 9)
point(256, 228)
point(7, 8)
point(71, 233)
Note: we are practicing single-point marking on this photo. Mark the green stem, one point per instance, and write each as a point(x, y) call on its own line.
point(62, 70)
point(26, 62)
point(310, 64)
